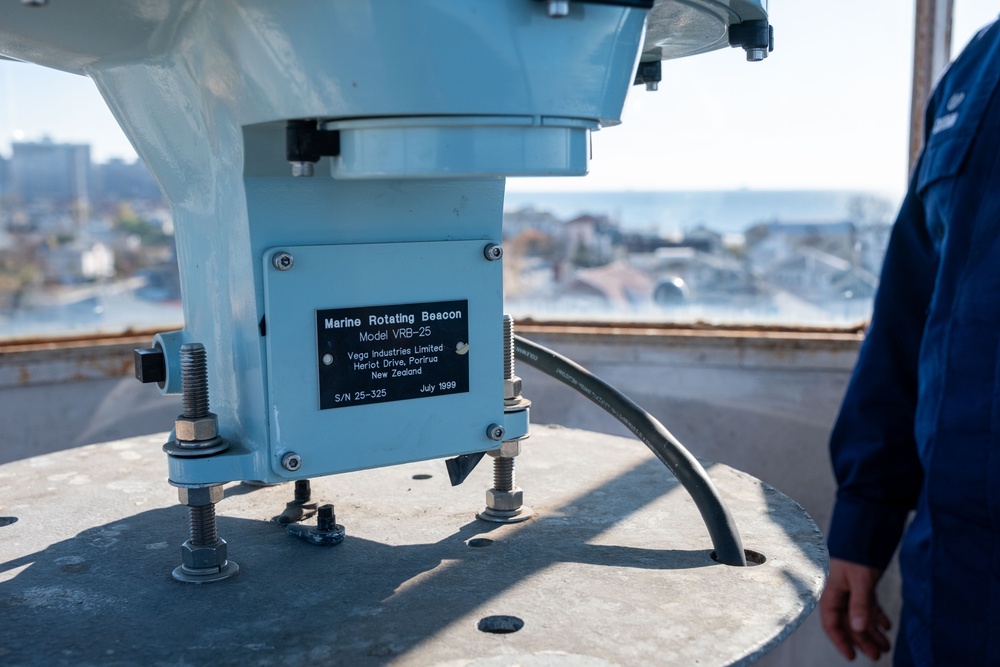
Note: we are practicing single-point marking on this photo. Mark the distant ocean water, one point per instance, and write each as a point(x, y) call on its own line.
point(726, 211)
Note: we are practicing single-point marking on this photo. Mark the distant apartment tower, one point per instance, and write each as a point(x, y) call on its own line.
point(50, 171)
point(4, 177)
point(118, 180)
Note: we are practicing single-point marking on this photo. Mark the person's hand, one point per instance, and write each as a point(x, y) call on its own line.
point(851, 614)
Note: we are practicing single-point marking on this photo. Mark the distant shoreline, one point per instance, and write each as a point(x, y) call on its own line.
point(727, 211)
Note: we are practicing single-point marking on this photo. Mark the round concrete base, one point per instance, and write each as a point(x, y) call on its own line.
point(615, 567)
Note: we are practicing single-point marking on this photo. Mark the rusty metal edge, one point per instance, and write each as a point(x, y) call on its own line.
point(852, 334)
point(802, 337)
point(79, 358)
point(89, 340)
point(26, 362)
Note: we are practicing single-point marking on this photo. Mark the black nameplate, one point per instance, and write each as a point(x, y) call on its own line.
point(376, 354)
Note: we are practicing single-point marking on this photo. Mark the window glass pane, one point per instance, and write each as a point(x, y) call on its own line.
point(739, 192)
point(86, 238)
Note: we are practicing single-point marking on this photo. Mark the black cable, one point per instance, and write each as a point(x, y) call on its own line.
point(690, 473)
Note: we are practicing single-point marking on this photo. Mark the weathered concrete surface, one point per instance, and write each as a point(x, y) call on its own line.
point(615, 569)
point(764, 405)
point(61, 395)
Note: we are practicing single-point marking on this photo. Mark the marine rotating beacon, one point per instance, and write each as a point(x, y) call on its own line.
point(336, 172)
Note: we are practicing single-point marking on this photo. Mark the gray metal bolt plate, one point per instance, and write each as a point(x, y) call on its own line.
point(506, 516)
point(205, 575)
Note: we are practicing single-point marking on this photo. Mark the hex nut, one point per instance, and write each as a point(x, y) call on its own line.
point(508, 449)
point(200, 495)
point(511, 388)
point(214, 555)
point(195, 430)
point(505, 500)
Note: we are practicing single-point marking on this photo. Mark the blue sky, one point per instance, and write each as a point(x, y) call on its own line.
point(828, 109)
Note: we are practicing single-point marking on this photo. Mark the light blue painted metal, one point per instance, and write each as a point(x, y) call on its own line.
point(515, 424)
point(170, 342)
point(422, 147)
point(381, 274)
point(203, 89)
point(76, 36)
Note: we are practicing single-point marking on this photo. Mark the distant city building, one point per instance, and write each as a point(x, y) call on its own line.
point(873, 239)
point(772, 243)
point(50, 171)
point(4, 175)
point(591, 239)
point(530, 219)
point(78, 261)
point(819, 277)
point(118, 180)
point(612, 285)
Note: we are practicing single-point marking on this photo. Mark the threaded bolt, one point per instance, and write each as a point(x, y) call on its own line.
point(203, 526)
point(503, 474)
point(326, 520)
point(194, 380)
point(508, 347)
point(303, 492)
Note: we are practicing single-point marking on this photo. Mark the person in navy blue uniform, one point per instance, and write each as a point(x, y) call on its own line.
point(919, 428)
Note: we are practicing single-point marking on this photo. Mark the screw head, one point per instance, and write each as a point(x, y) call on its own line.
point(558, 9)
point(282, 261)
point(495, 432)
point(291, 461)
point(493, 252)
point(756, 55)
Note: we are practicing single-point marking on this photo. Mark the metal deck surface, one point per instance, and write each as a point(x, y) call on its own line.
point(615, 568)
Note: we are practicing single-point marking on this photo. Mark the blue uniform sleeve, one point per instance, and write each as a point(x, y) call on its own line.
point(872, 446)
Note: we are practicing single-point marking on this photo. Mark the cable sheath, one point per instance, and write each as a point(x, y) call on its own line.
point(692, 476)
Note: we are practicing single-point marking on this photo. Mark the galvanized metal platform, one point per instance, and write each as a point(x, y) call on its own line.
point(615, 569)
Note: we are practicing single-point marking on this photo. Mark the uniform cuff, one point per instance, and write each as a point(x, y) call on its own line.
point(864, 532)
